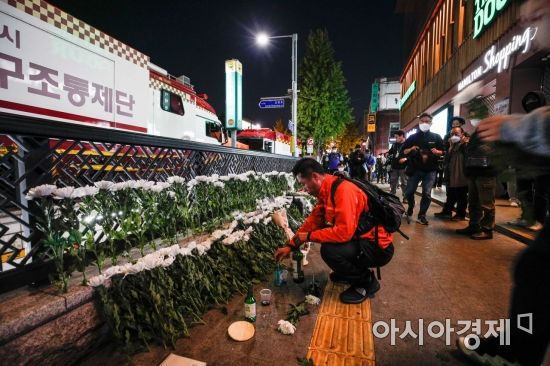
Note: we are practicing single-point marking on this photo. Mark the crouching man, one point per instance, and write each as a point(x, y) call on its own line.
point(334, 226)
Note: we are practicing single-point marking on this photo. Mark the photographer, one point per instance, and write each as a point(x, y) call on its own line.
point(423, 150)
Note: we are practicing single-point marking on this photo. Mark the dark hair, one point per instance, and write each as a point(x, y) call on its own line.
point(357, 146)
point(399, 133)
point(461, 129)
point(306, 167)
point(460, 120)
point(425, 115)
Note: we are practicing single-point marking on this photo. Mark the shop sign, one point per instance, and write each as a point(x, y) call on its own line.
point(407, 94)
point(500, 59)
point(411, 132)
point(485, 12)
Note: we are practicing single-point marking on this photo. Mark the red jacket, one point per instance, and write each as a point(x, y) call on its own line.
point(350, 201)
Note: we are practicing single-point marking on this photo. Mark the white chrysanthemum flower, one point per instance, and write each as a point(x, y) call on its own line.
point(168, 261)
point(286, 327)
point(96, 281)
point(40, 191)
point(225, 178)
point(111, 271)
point(65, 192)
point(312, 300)
point(176, 179)
point(103, 184)
point(219, 184)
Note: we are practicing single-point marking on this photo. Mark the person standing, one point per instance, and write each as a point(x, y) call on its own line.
point(380, 166)
point(356, 161)
point(398, 163)
point(423, 149)
point(334, 159)
point(482, 183)
point(457, 185)
point(369, 163)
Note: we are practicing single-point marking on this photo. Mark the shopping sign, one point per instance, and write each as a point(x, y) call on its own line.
point(499, 59)
point(485, 12)
point(51, 72)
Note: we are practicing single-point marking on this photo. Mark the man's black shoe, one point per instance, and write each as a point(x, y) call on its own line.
point(468, 230)
point(458, 218)
point(443, 215)
point(410, 211)
point(338, 278)
point(354, 295)
point(422, 220)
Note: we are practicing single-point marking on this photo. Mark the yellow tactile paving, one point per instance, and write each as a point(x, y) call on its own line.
point(343, 333)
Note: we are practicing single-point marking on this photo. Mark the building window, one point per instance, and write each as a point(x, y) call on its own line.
point(171, 102)
point(394, 127)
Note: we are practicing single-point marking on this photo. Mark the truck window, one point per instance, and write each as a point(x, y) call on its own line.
point(171, 102)
point(213, 130)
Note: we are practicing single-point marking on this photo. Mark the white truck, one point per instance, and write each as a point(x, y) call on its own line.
point(55, 66)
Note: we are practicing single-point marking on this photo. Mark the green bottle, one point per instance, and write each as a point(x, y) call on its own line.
point(250, 306)
point(297, 270)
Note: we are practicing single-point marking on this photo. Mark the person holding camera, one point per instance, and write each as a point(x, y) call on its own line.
point(423, 150)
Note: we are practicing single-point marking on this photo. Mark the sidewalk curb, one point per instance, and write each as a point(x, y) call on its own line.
point(498, 228)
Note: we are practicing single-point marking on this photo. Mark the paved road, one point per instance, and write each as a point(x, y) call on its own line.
point(440, 275)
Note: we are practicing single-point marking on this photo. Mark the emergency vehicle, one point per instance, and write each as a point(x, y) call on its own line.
point(268, 140)
point(54, 65)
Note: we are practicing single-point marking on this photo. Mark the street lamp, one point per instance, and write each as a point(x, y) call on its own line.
point(262, 40)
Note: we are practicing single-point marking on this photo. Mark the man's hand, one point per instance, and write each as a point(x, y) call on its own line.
point(489, 128)
point(402, 160)
point(436, 152)
point(410, 149)
point(300, 238)
point(283, 252)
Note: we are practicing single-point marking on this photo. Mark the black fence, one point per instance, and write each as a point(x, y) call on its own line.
point(36, 151)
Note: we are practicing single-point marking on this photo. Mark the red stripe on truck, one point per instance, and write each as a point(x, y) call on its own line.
point(65, 115)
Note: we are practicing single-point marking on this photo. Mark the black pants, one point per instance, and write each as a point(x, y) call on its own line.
point(456, 196)
point(354, 258)
point(357, 171)
point(531, 294)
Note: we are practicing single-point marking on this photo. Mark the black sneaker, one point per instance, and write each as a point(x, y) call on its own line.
point(410, 211)
point(468, 230)
point(338, 278)
point(443, 215)
point(458, 218)
point(489, 352)
point(422, 220)
point(354, 295)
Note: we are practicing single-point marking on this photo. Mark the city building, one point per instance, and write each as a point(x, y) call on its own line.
point(384, 108)
point(471, 58)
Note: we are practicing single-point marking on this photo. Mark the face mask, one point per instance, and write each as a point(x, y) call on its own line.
point(341, 169)
point(475, 122)
point(424, 127)
point(455, 139)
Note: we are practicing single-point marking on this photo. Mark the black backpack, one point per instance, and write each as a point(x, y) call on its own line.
point(385, 209)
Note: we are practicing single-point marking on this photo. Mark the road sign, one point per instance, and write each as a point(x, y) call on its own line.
point(371, 122)
point(309, 149)
point(272, 103)
point(310, 141)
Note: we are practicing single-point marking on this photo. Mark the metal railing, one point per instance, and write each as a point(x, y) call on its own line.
point(37, 151)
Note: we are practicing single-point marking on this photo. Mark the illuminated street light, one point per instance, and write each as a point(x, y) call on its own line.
point(262, 40)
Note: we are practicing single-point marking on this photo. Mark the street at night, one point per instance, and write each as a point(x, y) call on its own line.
point(275, 183)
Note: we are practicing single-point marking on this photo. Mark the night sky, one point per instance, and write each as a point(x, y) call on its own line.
point(194, 38)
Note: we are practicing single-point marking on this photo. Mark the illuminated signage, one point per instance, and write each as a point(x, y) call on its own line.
point(374, 97)
point(407, 94)
point(233, 95)
point(500, 59)
point(485, 13)
point(411, 132)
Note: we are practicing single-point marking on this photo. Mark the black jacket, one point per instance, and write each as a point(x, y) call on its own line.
point(425, 141)
point(478, 161)
point(394, 154)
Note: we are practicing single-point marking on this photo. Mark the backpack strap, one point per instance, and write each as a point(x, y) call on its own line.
point(333, 191)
